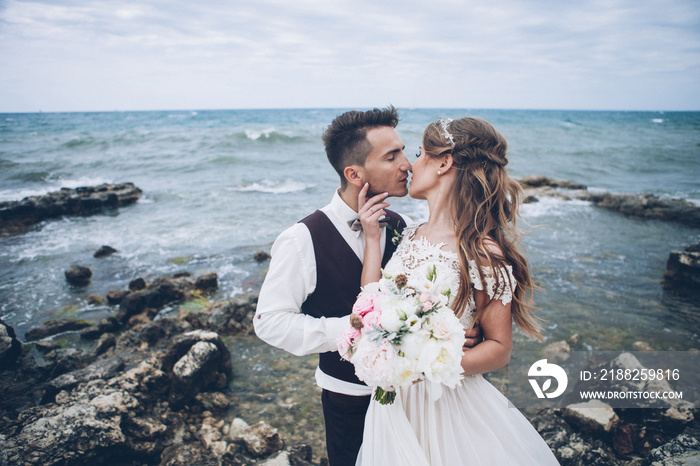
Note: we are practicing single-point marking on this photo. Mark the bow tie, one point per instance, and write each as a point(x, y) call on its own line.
point(356, 225)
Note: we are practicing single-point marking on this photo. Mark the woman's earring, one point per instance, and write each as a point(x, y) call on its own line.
point(439, 172)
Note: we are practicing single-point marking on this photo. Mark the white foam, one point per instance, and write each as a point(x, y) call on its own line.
point(274, 187)
point(257, 134)
point(16, 195)
point(548, 206)
point(657, 120)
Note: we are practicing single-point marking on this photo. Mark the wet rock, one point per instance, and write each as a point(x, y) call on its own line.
point(53, 327)
point(106, 325)
point(157, 295)
point(103, 369)
point(682, 450)
point(234, 316)
point(642, 346)
point(592, 416)
point(78, 275)
point(188, 455)
point(137, 284)
point(207, 282)
point(649, 206)
point(18, 216)
point(196, 361)
point(104, 251)
point(541, 181)
point(10, 346)
point(116, 296)
point(683, 270)
point(261, 440)
point(261, 256)
point(558, 351)
point(105, 342)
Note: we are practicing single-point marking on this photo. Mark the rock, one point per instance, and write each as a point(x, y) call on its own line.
point(102, 369)
point(10, 346)
point(642, 346)
point(207, 282)
point(196, 361)
point(683, 270)
point(592, 416)
point(53, 327)
point(261, 440)
point(161, 292)
point(116, 296)
point(558, 351)
point(18, 216)
point(539, 181)
point(104, 251)
point(237, 429)
point(261, 256)
point(188, 455)
point(625, 439)
point(682, 450)
point(78, 275)
point(137, 284)
point(649, 206)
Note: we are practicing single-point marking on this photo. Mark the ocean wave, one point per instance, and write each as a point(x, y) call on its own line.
point(16, 195)
point(657, 120)
point(274, 187)
point(269, 134)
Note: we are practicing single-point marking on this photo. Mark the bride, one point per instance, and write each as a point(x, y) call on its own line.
point(473, 205)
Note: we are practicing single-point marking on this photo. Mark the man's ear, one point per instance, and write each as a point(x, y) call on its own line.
point(355, 175)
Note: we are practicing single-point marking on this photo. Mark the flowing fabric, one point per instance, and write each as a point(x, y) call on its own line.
point(472, 424)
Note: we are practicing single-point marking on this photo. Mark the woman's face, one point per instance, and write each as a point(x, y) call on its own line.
point(425, 175)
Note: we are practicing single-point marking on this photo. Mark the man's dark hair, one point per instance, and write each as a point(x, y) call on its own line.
point(346, 138)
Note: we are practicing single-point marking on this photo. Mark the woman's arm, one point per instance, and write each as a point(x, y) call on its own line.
point(370, 211)
point(494, 352)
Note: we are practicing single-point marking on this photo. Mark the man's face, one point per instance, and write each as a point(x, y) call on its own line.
point(386, 169)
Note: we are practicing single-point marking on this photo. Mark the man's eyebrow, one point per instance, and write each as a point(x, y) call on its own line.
point(394, 151)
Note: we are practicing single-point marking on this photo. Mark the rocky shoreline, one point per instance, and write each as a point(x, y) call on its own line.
point(155, 382)
point(19, 216)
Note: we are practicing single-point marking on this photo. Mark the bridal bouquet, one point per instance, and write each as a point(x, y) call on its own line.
point(402, 330)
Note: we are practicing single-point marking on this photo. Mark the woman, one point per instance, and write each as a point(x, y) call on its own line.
point(473, 205)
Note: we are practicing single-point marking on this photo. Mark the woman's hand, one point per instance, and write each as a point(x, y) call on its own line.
point(370, 210)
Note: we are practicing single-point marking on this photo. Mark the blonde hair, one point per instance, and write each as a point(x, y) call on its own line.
point(485, 205)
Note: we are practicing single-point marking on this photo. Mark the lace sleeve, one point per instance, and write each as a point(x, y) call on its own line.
point(506, 286)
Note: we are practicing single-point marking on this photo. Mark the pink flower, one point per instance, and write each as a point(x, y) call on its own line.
point(345, 341)
point(365, 303)
point(371, 319)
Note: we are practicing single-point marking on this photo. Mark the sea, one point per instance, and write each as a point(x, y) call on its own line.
point(220, 185)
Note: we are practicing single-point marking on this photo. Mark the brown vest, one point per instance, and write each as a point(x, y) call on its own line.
point(338, 274)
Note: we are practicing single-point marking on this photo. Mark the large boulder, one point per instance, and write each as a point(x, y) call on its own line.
point(54, 327)
point(78, 275)
point(683, 270)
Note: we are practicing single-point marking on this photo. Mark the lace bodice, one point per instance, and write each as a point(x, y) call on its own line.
point(413, 252)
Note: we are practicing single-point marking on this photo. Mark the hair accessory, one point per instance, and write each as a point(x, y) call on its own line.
point(443, 124)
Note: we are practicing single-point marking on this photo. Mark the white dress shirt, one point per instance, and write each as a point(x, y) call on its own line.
point(290, 279)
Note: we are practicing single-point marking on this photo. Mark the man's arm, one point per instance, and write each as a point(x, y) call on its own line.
point(290, 279)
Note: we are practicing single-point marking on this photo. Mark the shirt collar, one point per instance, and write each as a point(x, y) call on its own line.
point(343, 212)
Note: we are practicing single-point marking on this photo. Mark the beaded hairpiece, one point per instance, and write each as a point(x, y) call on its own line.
point(443, 124)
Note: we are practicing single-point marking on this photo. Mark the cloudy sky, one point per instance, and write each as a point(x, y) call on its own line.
point(84, 55)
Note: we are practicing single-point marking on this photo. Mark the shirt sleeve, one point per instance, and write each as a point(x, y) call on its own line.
point(290, 279)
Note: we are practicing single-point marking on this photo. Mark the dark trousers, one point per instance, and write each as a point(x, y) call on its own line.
point(344, 416)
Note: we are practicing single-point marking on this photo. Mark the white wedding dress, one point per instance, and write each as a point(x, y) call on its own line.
point(472, 424)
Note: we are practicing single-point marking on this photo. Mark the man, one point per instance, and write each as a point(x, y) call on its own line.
point(314, 274)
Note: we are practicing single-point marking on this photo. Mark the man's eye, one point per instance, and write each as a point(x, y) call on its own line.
point(418, 155)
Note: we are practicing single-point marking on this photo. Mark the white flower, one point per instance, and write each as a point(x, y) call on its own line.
point(395, 310)
point(375, 363)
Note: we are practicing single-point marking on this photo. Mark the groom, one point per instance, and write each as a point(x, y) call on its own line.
point(314, 275)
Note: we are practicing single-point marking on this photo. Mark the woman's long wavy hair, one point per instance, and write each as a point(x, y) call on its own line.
point(485, 205)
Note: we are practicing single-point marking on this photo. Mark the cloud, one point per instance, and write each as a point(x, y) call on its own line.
point(102, 55)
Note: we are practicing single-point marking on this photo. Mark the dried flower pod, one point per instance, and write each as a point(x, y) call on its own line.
point(355, 321)
point(401, 280)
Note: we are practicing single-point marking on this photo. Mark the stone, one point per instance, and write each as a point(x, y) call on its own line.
point(116, 296)
point(649, 206)
point(19, 216)
point(684, 450)
point(78, 275)
point(54, 327)
point(642, 346)
point(683, 271)
point(102, 369)
point(10, 346)
point(207, 282)
point(262, 440)
point(592, 416)
point(104, 251)
point(261, 256)
point(137, 284)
